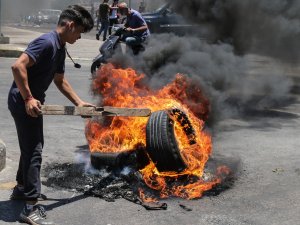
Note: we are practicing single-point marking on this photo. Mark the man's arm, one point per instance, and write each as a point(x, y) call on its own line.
point(143, 25)
point(142, 28)
point(66, 89)
point(113, 7)
point(19, 70)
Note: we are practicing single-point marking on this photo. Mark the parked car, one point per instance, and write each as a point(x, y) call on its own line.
point(47, 16)
point(165, 19)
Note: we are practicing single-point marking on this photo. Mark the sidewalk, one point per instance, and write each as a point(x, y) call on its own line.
point(83, 49)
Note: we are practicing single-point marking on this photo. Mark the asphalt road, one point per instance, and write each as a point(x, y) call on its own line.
point(265, 145)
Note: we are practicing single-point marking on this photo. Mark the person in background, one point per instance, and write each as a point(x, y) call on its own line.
point(142, 7)
point(104, 10)
point(42, 62)
point(136, 26)
point(113, 17)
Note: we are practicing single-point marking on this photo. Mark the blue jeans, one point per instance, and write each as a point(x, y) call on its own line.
point(104, 27)
point(133, 41)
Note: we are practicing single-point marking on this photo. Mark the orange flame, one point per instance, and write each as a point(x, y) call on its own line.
point(126, 88)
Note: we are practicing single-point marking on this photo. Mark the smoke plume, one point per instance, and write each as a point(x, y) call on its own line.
point(269, 27)
point(244, 32)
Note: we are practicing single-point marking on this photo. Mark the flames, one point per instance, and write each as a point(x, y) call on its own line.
point(126, 88)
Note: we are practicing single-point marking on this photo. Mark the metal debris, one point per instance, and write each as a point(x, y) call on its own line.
point(185, 207)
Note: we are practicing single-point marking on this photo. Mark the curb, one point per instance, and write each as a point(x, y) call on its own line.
point(10, 52)
point(4, 40)
point(2, 155)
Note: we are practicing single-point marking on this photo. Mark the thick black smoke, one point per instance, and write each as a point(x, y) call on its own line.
point(225, 77)
point(265, 31)
point(270, 27)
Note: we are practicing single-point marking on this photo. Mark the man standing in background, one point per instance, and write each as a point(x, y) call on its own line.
point(104, 9)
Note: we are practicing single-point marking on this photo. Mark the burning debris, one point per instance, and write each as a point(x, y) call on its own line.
point(143, 159)
point(130, 153)
point(173, 139)
point(114, 182)
point(104, 183)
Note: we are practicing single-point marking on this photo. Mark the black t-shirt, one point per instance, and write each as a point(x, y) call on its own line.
point(49, 57)
point(104, 11)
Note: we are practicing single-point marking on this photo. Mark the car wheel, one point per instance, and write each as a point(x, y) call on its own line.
point(161, 143)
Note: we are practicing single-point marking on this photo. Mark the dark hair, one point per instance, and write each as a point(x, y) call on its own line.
point(115, 3)
point(79, 15)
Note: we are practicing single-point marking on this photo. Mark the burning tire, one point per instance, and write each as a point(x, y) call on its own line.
point(117, 160)
point(100, 159)
point(161, 142)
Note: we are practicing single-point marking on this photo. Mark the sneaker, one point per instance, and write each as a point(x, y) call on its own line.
point(18, 194)
point(34, 216)
point(97, 36)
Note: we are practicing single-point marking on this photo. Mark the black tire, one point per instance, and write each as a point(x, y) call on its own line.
point(103, 159)
point(95, 66)
point(161, 143)
point(117, 160)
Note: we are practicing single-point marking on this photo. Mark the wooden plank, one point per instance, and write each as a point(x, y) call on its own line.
point(94, 111)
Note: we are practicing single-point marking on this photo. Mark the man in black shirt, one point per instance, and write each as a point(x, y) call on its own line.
point(42, 62)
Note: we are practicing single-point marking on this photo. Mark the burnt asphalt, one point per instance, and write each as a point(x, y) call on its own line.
point(265, 146)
